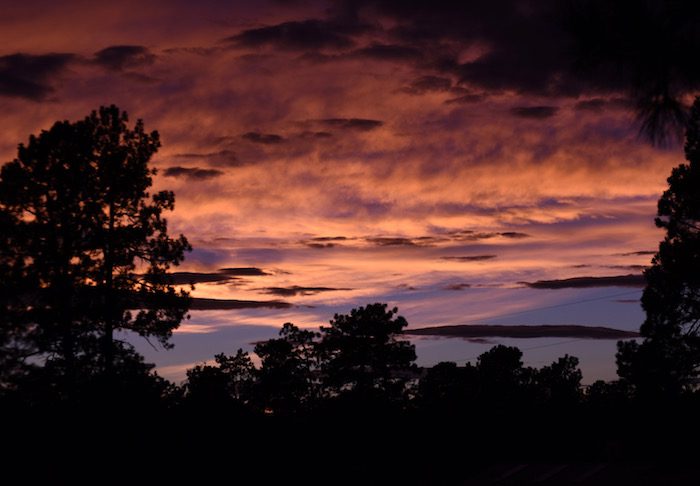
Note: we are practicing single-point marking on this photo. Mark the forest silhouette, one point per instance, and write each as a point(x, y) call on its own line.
point(86, 253)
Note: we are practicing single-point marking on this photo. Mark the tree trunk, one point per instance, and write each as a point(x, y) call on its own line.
point(109, 298)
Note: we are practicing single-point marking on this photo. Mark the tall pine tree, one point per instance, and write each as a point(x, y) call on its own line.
point(89, 246)
point(667, 361)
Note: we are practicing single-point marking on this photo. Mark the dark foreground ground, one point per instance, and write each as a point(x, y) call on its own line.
point(363, 444)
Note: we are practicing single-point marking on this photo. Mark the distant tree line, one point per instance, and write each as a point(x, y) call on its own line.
point(360, 359)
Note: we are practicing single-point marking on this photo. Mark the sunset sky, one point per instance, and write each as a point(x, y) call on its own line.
point(439, 158)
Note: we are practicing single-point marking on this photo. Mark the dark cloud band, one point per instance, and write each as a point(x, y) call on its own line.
point(263, 138)
point(192, 173)
point(298, 290)
point(470, 258)
point(534, 112)
point(32, 76)
point(309, 34)
point(587, 282)
point(119, 58)
point(476, 330)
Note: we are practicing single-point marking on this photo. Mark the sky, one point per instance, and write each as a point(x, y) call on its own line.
point(455, 159)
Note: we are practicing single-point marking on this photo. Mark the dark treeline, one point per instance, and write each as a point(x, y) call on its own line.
point(83, 243)
point(347, 400)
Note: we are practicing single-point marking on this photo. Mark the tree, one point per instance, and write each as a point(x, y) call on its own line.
point(667, 361)
point(87, 241)
point(501, 375)
point(447, 388)
point(361, 354)
point(230, 382)
point(287, 377)
point(560, 383)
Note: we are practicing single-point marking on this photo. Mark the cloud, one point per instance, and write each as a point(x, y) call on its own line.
point(388, 52)
point(320, 246)
point(322, 242)
point(407, 287)
point(517, 48)
point(402, 241)
point(551, 48)
point(199, 303)
point(298, 290)
point(122, 57)
point(312, 34)
point(508, 68)
point(587, 282)
point(192, 173)
point(31, 76)
point(244, 271)
point(627, 267)
point(513, 234)
point(594, 104)
point(428, 84)
point(638, 253)
point(263, 138)
point(534, 112)
point(330, 238)
point(360, 124)
point(443, 237)
point(466, 99)
point(222, 275)
point(316, 135)
point(190, 278)
point(523, 52)
point(472, 258)
point(597, 105)
point(471, 235)
point(220, 158)
point(457, 286)
point(208, 256)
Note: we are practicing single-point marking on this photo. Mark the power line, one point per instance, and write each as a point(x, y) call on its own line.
point(533, 309)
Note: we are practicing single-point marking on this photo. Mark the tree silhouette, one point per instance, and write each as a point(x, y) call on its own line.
point(87, 241)
point(560, 383)
point(501, 375)
point(361, 354)
point(447, 387)
point(228, 383)
point(287, 376)
point(668, 359)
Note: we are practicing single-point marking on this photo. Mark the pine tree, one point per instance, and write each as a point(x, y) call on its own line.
point(89, 244)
